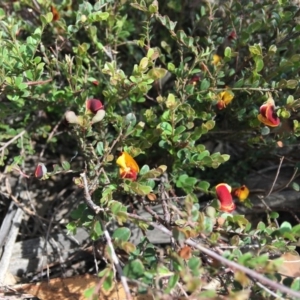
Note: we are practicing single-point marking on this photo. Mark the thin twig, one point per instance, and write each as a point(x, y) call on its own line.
point(114, 257)
point(38, 82)
point(153, 213)
point(164, 205)
point(117, 263)
point(87, 197)
point(288, 183)
point(51, 136)
point(272, 188)
point(276, 177)
point(268, 290)
point(13, 139)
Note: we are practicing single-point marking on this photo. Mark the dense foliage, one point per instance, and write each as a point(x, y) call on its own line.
point(145, 91)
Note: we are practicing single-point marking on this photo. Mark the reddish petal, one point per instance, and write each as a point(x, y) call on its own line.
point(40, 170)
point(228, 208)
point(93, 105)
point(194, 80)
point(232, 35)
point(130, 174)
point(223, 191)
point(54, 13)
point(272, 116)
point(221, 105)
point(263, 109)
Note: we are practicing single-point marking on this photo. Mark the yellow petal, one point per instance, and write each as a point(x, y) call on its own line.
point(126, 161)
point(226, 96)
point(265, 121)
point(216, 59)
point(242, 193)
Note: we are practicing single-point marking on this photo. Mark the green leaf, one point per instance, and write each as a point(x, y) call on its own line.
point(259, 63)
point(139, 7)
point(172, 282)
point(163, 270)
point(205, 84)
point(180, 129)
point(122, 234)
point(89, 292)
point(285, 227)
point(108, 282)
point(274, 215)
point(140, 189)
point(255, 50)
point(295, 186)
point(143, 64)
point(227, 52)
point(66, 165)
point(77, 213)
point(2, 13)
point(166, 127)
point(115, 207)
point(98, 229)
point(98, 16)
point(292, 84)
point(265, 130)
point(157, 73)
point(171, 67)
point(72, 228)
point(290, 100)
point(194, 264)
point(134, 269)
point(204, 185)
point(100, 148)
point(296, 284)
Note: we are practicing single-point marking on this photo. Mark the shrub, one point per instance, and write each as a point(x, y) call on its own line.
point(144, 87)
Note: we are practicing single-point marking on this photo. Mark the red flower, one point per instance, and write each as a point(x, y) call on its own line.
point(268, 115)
point(223, 191)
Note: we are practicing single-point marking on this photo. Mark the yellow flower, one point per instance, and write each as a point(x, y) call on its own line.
point(242, 193)
point(224, 98)
point(128, 166)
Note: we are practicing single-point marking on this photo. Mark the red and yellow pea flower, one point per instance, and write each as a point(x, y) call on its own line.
point(223, 192)
point(92, 107)
point(128, 167)
point(268, 115)
point(96, 108)
point(224, 98)
point(241, 193)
